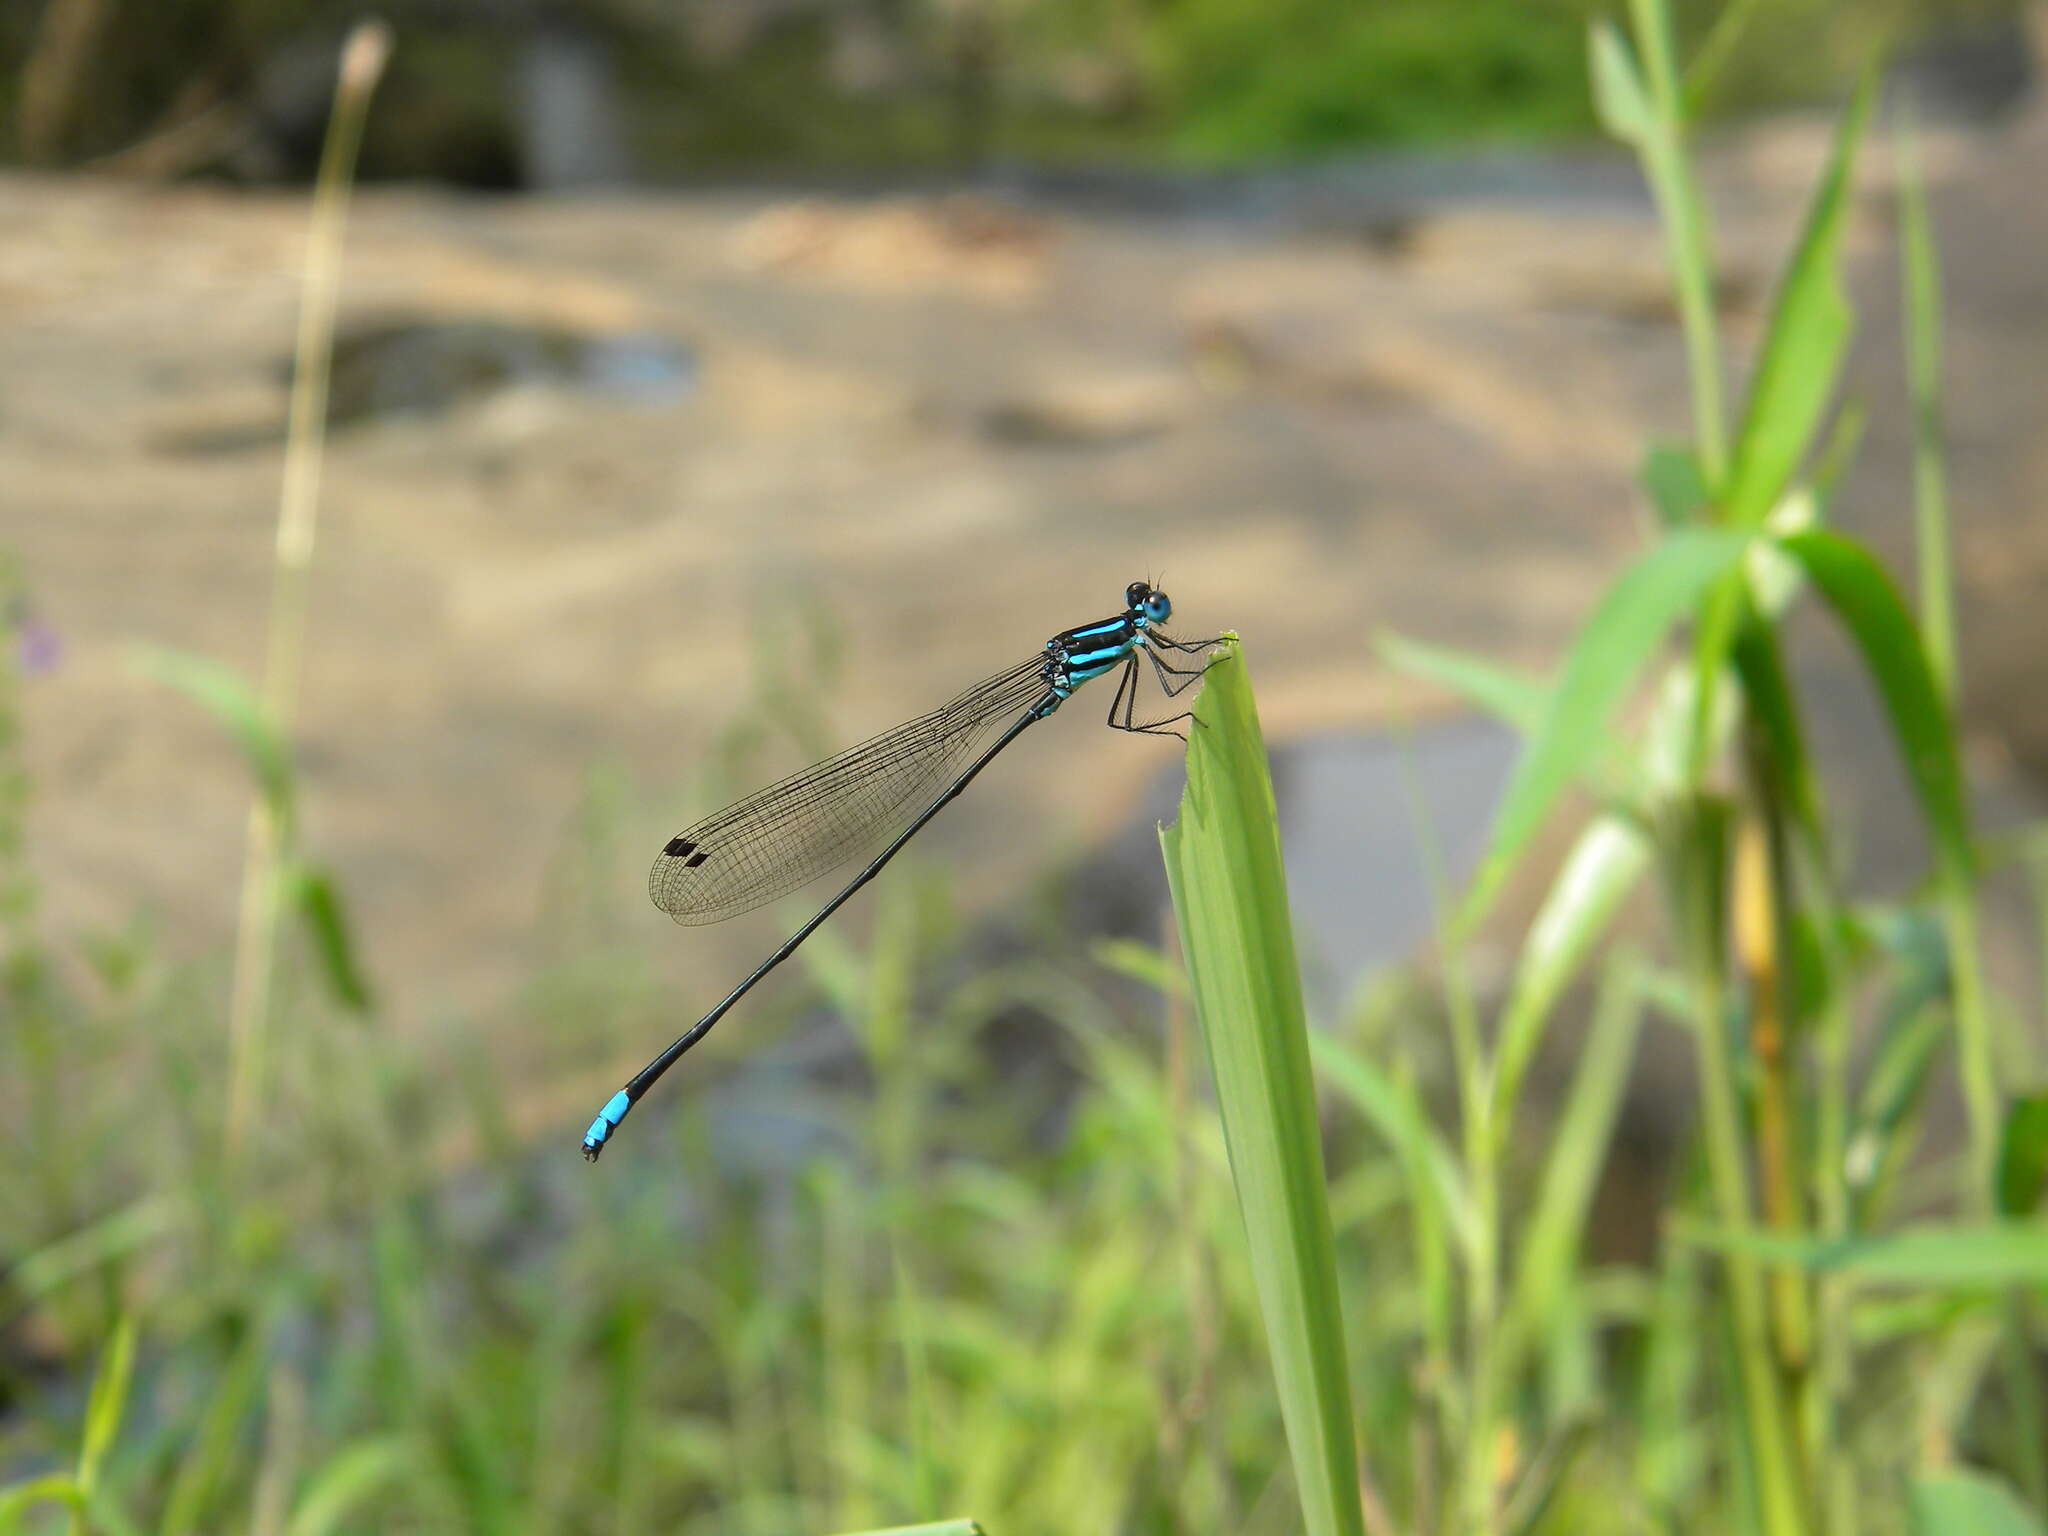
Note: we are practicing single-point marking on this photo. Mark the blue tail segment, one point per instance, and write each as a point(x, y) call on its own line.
point(606, 1122)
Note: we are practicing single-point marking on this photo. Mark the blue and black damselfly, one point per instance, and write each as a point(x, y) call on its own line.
point(831, 813)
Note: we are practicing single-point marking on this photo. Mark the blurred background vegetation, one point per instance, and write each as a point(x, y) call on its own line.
point(837, 86)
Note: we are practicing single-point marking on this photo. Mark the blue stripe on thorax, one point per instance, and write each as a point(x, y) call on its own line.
point(1093, 649)
point(1119, 627)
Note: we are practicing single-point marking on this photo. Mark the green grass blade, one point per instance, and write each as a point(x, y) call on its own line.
point(1510, 696)
point(939, 1528)
point(1944, 1258)
point(226, 695)
point(103, 1411)
point(207, 1472)
point(1716, 50)
point(17, 1501)
point(312, 891)
point(2023, 1156)
point(1920, 275)
point(1549, 1251)
point(113, 1236)
point(1396, 1113)
point(1760, 666)
point(1960, 1502)
point(1619, 99)
point(1805, 344)
point(353, 1474)
point(1229, 890)
point(1853, 583)
point(1609, 653)
point(1863, 597)
point(1646, 109)
point(1610, 856)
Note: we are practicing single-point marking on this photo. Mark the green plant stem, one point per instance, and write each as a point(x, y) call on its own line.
point(1697, 867)
point(1713, 55)
point(1982, 1103)
point(1835, 1359)
point(1481, 1508)
point(1769, 1442)
point(268, 842)
point(1685, 224)
point(1973, 1035)
point(1482, 1279)
point(1761, 900)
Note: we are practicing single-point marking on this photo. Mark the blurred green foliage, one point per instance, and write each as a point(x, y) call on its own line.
point(1308, 76)
point(771, 87)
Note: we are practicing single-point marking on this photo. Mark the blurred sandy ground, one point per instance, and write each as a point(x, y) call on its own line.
point(959, 424)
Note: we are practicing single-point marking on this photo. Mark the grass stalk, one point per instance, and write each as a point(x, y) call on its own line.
point(1920, 275)
point(362, 63)
point(1921, 278)
point(1700, 886)
point(1759, 913)
point(1686, 230)
point(1480, 1483)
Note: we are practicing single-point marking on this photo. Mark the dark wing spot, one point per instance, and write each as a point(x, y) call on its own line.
point(678, 847)
point(693, 861)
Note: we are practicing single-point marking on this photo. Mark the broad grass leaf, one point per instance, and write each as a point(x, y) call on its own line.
point(1229, 888)
point(1774, 714)
point(1805, 344)
point(1610, 652)
point(1854, 584)
point(1513, 697)
point(1944, 1258)
point(2023, 1155)
point(1960, 1502)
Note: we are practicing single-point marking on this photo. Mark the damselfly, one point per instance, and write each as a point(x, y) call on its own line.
point(800, 827)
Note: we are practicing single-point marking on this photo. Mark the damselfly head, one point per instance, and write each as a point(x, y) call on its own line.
point(1143, 597)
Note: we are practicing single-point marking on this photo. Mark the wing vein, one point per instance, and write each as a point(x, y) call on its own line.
point(821, 817)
